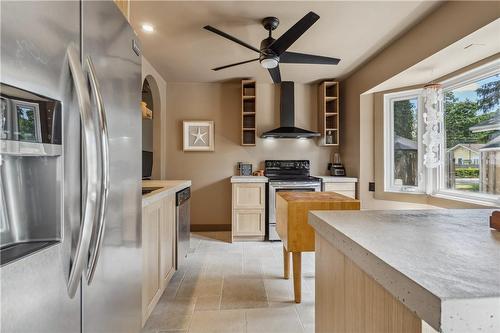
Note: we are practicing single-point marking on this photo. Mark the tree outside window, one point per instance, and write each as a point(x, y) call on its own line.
point(472, 123)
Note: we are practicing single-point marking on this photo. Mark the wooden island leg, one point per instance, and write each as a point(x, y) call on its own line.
point(297, 275)
point(286, 263)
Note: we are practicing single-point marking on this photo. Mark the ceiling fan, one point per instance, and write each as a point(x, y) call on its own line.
point(274, 51)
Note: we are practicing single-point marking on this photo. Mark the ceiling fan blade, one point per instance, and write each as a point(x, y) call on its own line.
point(231, 38)
point(275, 74)
point(303, 58)
point(289, 37)
point(235, 64)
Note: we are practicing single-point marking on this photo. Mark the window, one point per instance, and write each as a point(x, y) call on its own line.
point(470, 150)
point(472, 143)
point(403, 165)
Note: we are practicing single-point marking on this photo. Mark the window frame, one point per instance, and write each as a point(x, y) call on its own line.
point(439, 189)
point(389, 100)
point(432, 181)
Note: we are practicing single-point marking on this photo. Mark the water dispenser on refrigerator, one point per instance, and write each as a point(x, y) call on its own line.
point(30, 172)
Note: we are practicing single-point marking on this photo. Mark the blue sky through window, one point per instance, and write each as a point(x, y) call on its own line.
point(469, 91)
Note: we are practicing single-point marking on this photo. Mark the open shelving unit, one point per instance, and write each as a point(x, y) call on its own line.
point(329, 112)
point(248, 112)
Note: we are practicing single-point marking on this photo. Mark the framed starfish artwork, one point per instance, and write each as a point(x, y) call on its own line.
point(198, 135)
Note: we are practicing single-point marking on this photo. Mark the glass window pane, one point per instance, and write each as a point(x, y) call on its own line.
point(472, 121)
point(405, 138)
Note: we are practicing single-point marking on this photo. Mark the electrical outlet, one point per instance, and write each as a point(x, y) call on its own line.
point(371, 186)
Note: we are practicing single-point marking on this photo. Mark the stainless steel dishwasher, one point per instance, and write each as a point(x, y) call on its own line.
point(183, 225)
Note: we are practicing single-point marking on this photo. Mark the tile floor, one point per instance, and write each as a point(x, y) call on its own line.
point(236, 287)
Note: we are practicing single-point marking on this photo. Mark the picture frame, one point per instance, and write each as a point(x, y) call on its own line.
point(198, 135)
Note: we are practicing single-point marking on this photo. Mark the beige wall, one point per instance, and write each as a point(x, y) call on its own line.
point(159, 91)
point(210, 171)
point(447, 24)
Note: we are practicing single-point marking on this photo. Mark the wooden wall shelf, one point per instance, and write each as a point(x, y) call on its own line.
point(329, 112)
point(248, 112)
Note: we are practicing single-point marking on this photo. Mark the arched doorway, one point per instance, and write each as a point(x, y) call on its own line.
point(151, 127)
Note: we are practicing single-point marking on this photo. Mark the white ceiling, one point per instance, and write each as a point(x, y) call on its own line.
point(479, 45)
point(181, 50)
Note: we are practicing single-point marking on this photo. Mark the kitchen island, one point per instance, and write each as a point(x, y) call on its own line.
point(297, 236)
point(390, 270)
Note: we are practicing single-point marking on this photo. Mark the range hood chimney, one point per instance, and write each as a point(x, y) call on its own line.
point(287, 129)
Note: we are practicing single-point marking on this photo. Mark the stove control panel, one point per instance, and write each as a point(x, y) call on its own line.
point(287, 164)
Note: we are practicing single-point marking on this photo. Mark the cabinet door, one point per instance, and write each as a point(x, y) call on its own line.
point(347, 189)
point(167, 238)
point(249, 196)
point(248, 223)
point(150, 243)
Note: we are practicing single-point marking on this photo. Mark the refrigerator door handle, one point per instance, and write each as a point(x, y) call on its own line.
point(104, 140)
point(91, 171)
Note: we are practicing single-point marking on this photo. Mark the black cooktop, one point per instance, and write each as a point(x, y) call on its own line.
point(289, 170)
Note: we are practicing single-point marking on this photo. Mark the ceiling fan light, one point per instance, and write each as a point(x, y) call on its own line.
point(270, 62)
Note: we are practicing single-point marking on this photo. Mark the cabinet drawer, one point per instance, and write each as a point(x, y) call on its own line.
point(248, 196)
point(248, 223)
point(334, 187)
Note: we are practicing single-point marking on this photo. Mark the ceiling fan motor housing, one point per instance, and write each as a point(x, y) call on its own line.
point(270, 23)
point(268, 58)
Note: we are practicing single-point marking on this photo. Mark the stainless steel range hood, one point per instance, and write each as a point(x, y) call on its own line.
point(287, 130)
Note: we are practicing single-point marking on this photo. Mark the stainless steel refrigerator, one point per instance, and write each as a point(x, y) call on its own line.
point(70, 168)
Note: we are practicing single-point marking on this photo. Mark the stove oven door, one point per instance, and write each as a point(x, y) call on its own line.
point(274, 187)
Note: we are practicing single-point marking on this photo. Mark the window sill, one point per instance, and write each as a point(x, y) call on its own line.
point(423, 198)
point(398, 191)
point(483, 200)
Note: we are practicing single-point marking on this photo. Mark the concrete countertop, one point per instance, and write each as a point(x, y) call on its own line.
point(443, 264)
point(167, 187)
point(333, 179)
point(249, 179)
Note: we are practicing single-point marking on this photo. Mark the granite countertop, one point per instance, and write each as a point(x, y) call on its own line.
point(166, 187)
point(334, 179)
point(249, 179)
point(443, 264)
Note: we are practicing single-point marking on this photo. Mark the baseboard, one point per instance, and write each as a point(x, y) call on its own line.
point(210, 227)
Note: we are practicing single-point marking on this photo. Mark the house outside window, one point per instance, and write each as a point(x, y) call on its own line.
point(470, 152)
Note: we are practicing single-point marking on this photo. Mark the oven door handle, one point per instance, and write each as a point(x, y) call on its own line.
point(302, 185)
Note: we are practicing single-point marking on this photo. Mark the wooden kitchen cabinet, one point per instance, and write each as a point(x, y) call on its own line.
point(249, 195)
point(124, 6)
point(248, 112)
point(150, 240)
point(158, 243)
point(347, 189)
point(329, 113)
point(167, 240)
point(341, 185)
point(249, 210)
point(249, 222)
